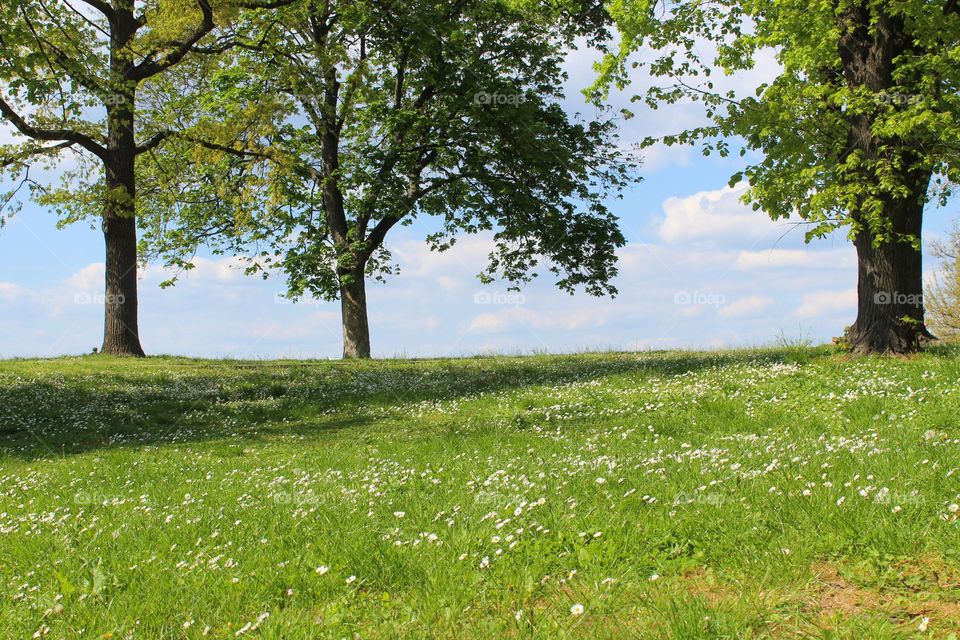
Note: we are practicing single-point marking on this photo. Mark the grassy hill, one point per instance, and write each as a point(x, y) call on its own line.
point(791, 493)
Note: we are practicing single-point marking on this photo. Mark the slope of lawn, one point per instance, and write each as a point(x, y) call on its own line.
point(745, 494)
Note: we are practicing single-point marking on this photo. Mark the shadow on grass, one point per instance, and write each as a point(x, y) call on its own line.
point(86, 405)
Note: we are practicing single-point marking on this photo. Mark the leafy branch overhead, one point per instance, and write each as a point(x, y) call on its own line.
point(865, 100)
point(66, 66)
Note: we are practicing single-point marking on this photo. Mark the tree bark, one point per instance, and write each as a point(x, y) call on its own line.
point(353, 307)
point(890, 315)
point(121, 330)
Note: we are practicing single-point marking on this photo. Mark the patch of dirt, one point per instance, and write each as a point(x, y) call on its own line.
point(833, 596)
point(704, 584)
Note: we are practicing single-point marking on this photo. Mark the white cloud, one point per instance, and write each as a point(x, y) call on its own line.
point(745, 306)
point(796, 259)
point(820, 303)
point(320, 322)
point(515, 317)
point(469, 254)
point(89, 279)
point(11, 292)
point(488, 322)
point(650, 344)
point(448, 283)
point(715, 216)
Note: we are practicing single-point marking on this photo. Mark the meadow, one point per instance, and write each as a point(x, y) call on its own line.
point(781, 493)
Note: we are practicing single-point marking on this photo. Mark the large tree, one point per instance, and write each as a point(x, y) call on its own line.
point(71, 72)
point(859, 129)
point(383, 112)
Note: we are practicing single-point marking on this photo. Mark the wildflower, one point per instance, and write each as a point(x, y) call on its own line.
point(576, 610)
point(654, 577)
point(351, 579)
point(922, 627)
point(399, 514)
point(322, 569)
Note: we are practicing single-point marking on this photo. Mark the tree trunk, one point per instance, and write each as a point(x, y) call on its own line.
point(889, 273)
point(121, 332)
point(353, 306)
point(890, 317)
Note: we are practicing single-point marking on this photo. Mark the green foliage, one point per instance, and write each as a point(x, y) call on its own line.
point(334, 122)
point(72, 73)
point(839, 141)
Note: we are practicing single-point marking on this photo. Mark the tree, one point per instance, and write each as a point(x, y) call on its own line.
point(942, 298)
point(383, 112)
point(71, 75)
point(859, 130)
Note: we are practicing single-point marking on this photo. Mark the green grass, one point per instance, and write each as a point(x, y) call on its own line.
point(746, 494)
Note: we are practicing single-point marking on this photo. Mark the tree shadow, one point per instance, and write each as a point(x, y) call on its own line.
point(70, 409)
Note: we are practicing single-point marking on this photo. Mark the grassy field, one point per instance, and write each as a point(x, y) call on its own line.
point(747, 494)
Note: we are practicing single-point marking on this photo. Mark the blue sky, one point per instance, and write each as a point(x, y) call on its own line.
point(699, 270)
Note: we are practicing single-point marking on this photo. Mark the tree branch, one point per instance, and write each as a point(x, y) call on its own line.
point(379, 233)
point(153, 142)
point(267, 4)
point(102, 7)
point(149, 67)
point(51, 135)
point(36, 151)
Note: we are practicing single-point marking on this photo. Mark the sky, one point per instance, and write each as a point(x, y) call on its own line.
point(700, 270)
